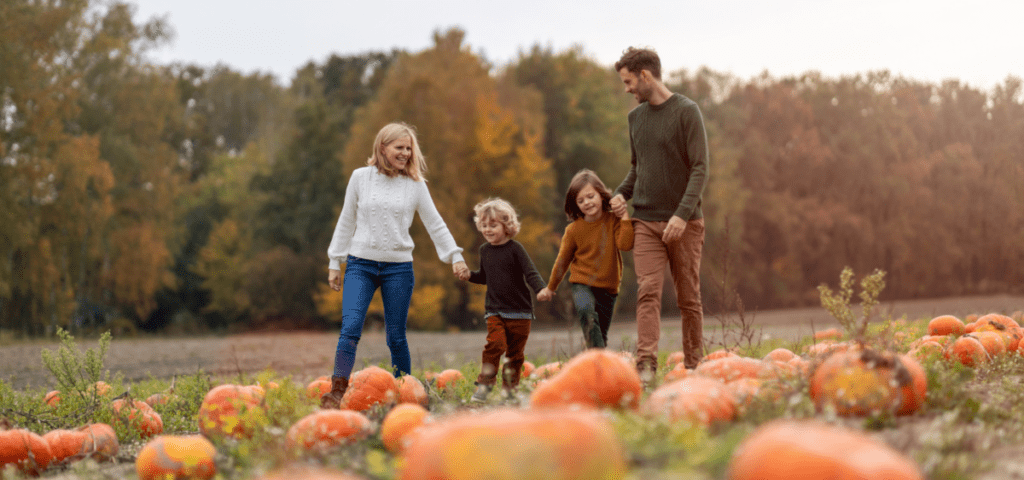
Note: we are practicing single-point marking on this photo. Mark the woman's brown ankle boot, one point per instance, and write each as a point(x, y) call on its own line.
point(332, 399)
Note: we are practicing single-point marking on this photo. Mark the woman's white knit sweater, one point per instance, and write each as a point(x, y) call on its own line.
point(375, 220)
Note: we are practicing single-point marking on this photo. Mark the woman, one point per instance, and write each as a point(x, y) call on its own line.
point(372, 239)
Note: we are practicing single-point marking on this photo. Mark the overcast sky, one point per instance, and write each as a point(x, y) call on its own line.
point(978, 42)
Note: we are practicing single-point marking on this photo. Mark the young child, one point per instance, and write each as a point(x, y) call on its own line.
point(590, 252)
point(504, 264)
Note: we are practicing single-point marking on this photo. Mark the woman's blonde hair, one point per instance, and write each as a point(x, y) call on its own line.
point(417, 165)
point(499, 210)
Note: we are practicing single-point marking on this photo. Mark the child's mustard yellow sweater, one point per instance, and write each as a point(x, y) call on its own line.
point(590, 252)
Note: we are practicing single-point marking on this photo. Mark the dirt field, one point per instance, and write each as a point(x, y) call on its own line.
point(306, 355)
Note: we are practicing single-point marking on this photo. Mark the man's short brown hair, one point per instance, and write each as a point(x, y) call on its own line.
point(637, 59)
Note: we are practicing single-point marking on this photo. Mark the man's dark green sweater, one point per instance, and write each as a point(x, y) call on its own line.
point(670, 160)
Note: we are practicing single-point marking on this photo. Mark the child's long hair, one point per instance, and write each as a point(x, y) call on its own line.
point(417, 165)
point(500, 210)
point(582, 179)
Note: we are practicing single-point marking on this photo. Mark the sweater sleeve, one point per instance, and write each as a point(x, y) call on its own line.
point(533, 278)
point(626, 187)
point(479, 276)
point(624, 235)
point(447, 250)
point(696, 139)
point(566, 252)
point(337, 252)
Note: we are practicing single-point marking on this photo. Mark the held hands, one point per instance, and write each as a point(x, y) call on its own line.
point(674, 230)
point(618, 204)
point(544, 294)
point(460, 270)
point(334, 279)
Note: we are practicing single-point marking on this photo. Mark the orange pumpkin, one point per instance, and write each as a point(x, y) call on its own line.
point(318, 388)
point(858, 382)
point(733, 367)
point(527, 369)
point(678, 372)
point(926, 351)
point(231, 411)
point(914, 392)
point(169, 456)
point(52, 398)
point(993, 342)
point(967, 350)
point(696, 399)
point(27, 451)
point(675, 358)
point(940, 339)
point(368, 387)
point(1004, 320)
point(715, 355)
point(826, 347)
point(946, 325)
point(100, 388)
point(159, 399)
point(326, 429)
point(137, 415)
point(306, 472)
point(411, 390)
point(780, 355)
point(831, 333)
point(398, 423)
point(64, 444)
point(448, 378)
point(515, 444)
point(547, 370)
point(595, 378)
point(809, 450)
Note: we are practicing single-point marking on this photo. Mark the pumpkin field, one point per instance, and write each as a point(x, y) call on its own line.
point(929, 397)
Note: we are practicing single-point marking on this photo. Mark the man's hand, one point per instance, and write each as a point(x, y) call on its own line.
point(334, 279)
point(618, 204)
point(544, 294)
point(674, 230)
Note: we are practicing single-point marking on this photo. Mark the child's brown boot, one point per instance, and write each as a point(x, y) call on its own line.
point(332, 399)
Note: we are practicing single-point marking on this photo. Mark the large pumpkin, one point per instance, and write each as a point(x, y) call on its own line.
point(859, 382)
point(231, 411)
point(138, 416)
point(169, 456)
point(318, 388)
point(368, 387)
point(411, 390)
point(808, 450)
point(967, 350)
point(946, 325)
point(64, 444)
point(27, 451)
point(399, 422)
point(513, 444)
point(325, 429)
point(594, 378)
point(695, 399)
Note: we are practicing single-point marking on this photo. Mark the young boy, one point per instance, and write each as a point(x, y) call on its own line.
point(504, 264)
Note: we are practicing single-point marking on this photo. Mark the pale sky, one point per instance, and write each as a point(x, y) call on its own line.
point(978, 42)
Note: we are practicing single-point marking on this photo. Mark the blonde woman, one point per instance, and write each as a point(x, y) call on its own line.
point(372, 240)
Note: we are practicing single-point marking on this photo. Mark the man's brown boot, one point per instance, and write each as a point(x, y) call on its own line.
point(332, 399)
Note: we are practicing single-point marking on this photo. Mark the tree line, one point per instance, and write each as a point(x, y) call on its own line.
point(190, 198)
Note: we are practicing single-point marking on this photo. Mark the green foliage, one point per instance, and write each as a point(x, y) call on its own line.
point(838, 303)
point(76, 373)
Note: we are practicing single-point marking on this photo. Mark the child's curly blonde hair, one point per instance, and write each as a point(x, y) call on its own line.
point(499, 210)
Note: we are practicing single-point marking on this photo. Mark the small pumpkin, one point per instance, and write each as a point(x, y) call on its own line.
point(318, 388)
point(231, 411)
point(967, 350)
point(780, 355)
point(946, 325)
point(448, 378)
point(100, 441)
point(368, 387)
point(528, 368)
point(325, 429)
point(306, 472)
point(674, 359)
point(810, 450)
point(594, 378)
point(515, 444)
point(913, 393)
point(100, 388)
point(734, 367)
point(137, 415)
point(696, 399)
point(399, 422)
point(52, 398)
point(411, 390)
point(678, 372)
point(547, 370)
point(170, 456)
point(926, 351)
point(828, 334)
point(717, 354)
point(27, 451)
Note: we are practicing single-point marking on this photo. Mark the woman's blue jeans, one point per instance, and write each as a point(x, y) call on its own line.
point(363, 278)
point(594, 308)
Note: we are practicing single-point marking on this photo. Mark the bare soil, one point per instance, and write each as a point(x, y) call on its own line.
point(306, 355)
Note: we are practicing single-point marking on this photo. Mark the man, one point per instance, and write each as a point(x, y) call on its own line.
point(665, 182)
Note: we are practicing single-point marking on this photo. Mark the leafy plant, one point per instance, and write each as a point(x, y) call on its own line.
point(838, 303)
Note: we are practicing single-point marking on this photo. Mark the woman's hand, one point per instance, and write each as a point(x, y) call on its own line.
point(460, 270)
point(334, 279)
point(544, 294)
